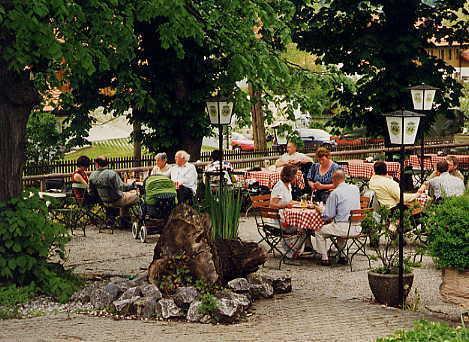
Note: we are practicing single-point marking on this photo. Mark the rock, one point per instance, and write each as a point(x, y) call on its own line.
point(193, 313)
point(184, 296)
point(141, 279)
point(131, 292)
point(166, 308)
point(101, 299)
point(260, 287)
point(151, 290)
point(126, 306)
point(114, 290)
point(205, 319)
point(228, 310)
point(146, 307)
point(83, 296)
point(239, 285)
point(241, 299)
point(282, 285)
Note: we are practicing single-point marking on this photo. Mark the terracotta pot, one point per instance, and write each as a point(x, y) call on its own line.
point(454, 287)
point(385, 287)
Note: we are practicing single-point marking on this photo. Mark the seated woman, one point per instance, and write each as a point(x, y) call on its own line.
point(80, 179)
point(281, 196)
point(161, 167)
point(320, 175)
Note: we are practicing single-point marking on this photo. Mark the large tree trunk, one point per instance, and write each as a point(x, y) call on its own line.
point(258, 127)
point(17, 98)
point(187, 234)
point(136, 139)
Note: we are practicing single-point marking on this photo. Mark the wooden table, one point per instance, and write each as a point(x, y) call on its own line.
point(302, 218)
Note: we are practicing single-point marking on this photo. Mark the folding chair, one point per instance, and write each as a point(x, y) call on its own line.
point(359, 241)
point(269, 228)
point(417, 170)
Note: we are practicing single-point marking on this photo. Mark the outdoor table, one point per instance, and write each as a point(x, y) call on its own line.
point(429, 163)
point(270, 178)
point(361, 169)
point(302, 218)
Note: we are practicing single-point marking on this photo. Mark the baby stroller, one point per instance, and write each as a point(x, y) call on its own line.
point(159, 199)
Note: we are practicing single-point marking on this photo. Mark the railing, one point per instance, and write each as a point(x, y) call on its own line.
point(257, 161)
point(68, 166)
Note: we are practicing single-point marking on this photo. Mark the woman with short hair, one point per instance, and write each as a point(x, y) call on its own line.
point(320, 175)
point(281, 196)
point(161, 167)
point(80, 178)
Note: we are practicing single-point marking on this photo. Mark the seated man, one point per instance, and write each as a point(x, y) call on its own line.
point(214, 167)
point(292, 157)
point(184, 176)
point(344, 198)
point(108, 186)
point(386, 189)
point(453, 164)
point(444, 185)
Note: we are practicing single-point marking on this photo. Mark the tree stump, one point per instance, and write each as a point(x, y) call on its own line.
point(188, 233)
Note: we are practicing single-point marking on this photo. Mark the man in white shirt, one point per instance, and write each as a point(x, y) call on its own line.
point(184, 176)
point(292, 157)
point(444, 185)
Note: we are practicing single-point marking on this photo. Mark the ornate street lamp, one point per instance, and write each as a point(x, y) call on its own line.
point(422, 98)
point(220, 111)
point(402, 128)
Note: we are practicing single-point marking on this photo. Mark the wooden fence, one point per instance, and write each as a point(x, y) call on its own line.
point(68, 166)
point(239, 161)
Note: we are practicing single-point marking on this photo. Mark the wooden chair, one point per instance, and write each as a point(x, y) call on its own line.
point(269, 228)
point(358, 241)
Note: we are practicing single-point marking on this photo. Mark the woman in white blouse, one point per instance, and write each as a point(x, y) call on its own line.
point(281, 196)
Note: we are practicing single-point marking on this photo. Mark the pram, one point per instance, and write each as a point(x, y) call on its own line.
point(159, 199)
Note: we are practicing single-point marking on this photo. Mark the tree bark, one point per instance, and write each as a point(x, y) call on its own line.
point(136, 139)
point(258, 127)
point(17, 98)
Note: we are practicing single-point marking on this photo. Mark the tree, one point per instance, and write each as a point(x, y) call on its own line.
point(383, 42)
point(39, 38)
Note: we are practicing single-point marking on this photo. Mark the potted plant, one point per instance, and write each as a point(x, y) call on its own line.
point(384, 280)
point(448, 227)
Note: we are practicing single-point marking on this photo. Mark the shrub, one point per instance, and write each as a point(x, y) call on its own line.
point(11, 296)
point(425, 331)
point(224, 209)
point(29, 239)
point(448, 240)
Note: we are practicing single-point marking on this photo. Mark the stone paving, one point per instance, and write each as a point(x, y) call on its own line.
point(327, 304)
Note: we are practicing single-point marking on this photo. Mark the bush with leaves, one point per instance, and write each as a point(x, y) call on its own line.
point(29, 239)
point(447, 224)
point(425, 331)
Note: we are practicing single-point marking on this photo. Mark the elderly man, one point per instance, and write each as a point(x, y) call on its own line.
point(184, 176)
point(443, 185)
point(344, 198)
point(108, 186)
point(292, 157)
point(161, 167)
point(387, 189)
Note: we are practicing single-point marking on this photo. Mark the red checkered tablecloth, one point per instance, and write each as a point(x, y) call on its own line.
point(270, 178)
point(432, 159)
point(361, 169)
point(301, 218)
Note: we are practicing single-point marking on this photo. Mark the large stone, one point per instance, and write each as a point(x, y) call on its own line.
point(241, 299)
point(131, 292)
point(114, 290)
point(141, 279)
point(228, 310)
point(282, 285)
point(151, 290)
point(239, 285)
point(101, 299)
point(84, 295)
point(146, 307)
point(167, 308)
point(126, 306)
point(184, 296)
point(193, 313)
point(260, 287)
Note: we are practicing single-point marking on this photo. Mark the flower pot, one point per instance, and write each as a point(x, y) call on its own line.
point(454, 287)
point(385, 287)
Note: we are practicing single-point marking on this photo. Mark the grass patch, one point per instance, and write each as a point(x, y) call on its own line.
point(425, 331)
point(11, 296)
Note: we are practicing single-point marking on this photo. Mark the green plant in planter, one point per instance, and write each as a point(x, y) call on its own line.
point(379, 225)
point(448, 226)
point(224, 209)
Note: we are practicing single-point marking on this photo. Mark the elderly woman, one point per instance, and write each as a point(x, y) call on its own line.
point(161, 167)
point(184, 176)
point(320, 175)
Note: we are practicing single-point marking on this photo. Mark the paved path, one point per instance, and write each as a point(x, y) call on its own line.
point(327, 304)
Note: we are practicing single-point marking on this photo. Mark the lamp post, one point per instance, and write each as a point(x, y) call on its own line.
point(422, 99)
point(220, 110)
point(402, 128)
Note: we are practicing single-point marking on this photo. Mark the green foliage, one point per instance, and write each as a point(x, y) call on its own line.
point(177, 274)
point(209, 304)
point(29, 238)
point(447, 224)
point(425, 331)
point(380, 42)
point(44, 143)
point(224, 209)
point(11, 296)
point(381, 226)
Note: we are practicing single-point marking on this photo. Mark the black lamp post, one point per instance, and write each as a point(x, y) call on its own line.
point(402, 128)
point(220, 110)
point(422, 99)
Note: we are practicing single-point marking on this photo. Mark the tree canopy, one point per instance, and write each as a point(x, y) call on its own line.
point(383, 43)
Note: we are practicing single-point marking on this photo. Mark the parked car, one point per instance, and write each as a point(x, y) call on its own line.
point(240, 143)
point(316, 137)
